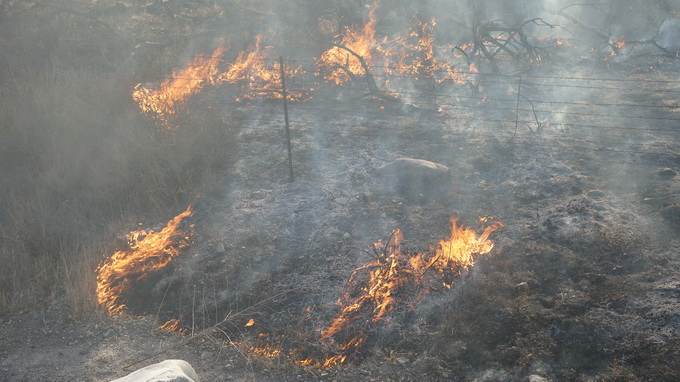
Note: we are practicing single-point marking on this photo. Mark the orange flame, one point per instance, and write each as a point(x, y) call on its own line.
point(413, 54)
point(619, 43)
point(163, 102)
point(361, 42)
point(258, 74)
point(617, 46)
point(267, 351)
point(387, 278)
point(149, 252)
point(256, 77)
point(250, 71)
point(173, 325)
point(394, 270)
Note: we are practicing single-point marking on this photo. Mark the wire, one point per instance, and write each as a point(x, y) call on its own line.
point(565, 121)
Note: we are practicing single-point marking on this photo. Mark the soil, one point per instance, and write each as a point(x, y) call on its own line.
point(582, 283)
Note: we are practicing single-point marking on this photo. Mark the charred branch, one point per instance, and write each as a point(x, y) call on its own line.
point(370, 80)
point(492, 38)
point(372, 86)
point(605, 37)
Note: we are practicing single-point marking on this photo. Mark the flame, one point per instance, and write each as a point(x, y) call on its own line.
point(149, 251)
point(250, 70)
point(266, 350)
point(619, 43)
point(256, 77)
point(373, 289)
point(391, 272)
point(173, 325)
point(257, 72)
point(361, 42)
point(412, 54)
point(163, 102)
point(561, 42)
point(617, 46)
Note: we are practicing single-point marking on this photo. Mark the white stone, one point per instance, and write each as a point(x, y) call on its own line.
point(172, 370)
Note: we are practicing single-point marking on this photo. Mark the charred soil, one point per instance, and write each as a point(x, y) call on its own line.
point(582, 283)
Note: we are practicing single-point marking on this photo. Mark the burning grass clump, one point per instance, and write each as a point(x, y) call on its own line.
point(149, 252)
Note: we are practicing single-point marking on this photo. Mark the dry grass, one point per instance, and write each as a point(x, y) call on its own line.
point(79, 163)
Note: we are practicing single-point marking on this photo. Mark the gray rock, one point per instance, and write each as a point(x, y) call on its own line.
point(172, 370)
point(666, 173)
point(669, 35)
point(219, 247)
point(410, 177)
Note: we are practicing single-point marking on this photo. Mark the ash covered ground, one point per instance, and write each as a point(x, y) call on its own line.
point(582, 283)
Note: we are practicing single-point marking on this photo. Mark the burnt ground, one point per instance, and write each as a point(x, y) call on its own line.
point(582, 284)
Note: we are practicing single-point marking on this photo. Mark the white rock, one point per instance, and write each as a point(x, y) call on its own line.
point(172, 370)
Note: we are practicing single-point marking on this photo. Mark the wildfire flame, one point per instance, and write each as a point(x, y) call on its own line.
point(256, 77)
point(361, 42)
point(619, 43)
point(368, 301)
point(391, 272)
point(173, 325)
point(149, 251)
point(396, 269)
point(256, 73)
point(617, 46)
point(413, 54)
point(163, 102)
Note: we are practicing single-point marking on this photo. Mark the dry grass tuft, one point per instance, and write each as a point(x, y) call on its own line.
point(79, 163)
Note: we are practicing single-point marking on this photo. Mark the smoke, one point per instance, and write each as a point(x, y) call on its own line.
point(549, 146)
